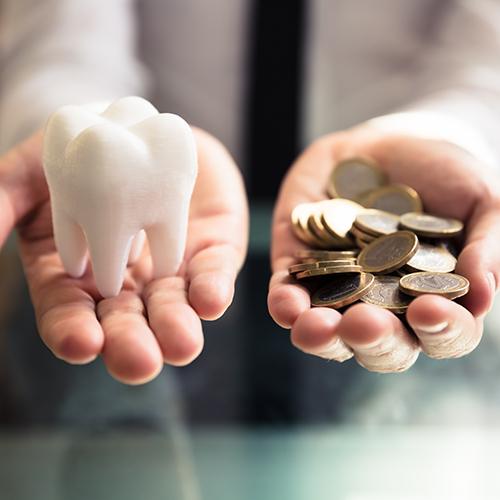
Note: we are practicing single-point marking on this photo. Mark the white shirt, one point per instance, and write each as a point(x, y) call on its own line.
point(363, 58)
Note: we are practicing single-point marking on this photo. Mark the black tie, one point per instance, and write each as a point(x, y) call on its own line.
point(272, 143)
point(274, 93)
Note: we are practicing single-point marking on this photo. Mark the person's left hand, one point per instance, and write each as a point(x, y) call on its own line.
point(151, 322)
point(449, 183)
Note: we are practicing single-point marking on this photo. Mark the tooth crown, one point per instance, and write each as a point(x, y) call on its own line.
point(113, 174)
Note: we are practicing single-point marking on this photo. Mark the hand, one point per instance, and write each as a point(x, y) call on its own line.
point(151, 321)
point(448, 180)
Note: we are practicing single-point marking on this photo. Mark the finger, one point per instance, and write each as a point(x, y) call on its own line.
point(65, 311)
point(212, 274)
point(479, 261)
point(379, 340)
point(314, 333)
point(445, 329)
point(175, 324)
point(286, 300)
point(218, 230)
point(131, 352)
point(22, 183)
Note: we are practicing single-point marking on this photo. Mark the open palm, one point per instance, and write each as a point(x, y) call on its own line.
point(151, 321)
point(448, 180)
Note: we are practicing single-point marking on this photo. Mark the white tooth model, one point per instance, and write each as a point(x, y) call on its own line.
point(112, 175)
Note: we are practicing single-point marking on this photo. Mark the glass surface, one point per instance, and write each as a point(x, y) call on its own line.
point(252, 418)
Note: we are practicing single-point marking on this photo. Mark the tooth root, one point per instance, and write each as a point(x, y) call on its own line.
point(109, 254)
point(166, 244)
point(136, 249)
point(70, 242)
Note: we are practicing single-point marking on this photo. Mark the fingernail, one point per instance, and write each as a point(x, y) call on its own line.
point(433, 329)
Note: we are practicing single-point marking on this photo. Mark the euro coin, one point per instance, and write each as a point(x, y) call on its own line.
point(357, 233)
point(376, 222)
point(338, 216)
point(300, 215)
point(385, 293)
point(430, 226)
point(447, 285)
point(325, 271)
point(354, 177)
point(342, 290)
point(432, 259)
point(315, 226)
point(388, 253)
point(297, 268)
point(325, 254)
point(362, 243)
point(396, 198)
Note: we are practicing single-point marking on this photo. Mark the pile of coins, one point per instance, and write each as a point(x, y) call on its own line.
point(372, 242)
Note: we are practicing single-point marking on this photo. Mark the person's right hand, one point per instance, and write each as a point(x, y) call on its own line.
point(151, 321)
point(448, 180)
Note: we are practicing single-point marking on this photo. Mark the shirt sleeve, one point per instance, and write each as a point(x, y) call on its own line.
point(56, 52)
point(459, 81)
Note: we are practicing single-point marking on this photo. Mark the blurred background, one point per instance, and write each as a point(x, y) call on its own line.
point(252, 417)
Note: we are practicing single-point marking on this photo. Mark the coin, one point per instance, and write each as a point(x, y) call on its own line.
point(300, 215)
point(325, 271)
point(338, 216)
point(376, 222)
point(317, 229)
point(325, 254)
point(432, 259)
point(430, 225)
point(357, 233)
point(362, 243)
point(396, 198)
point(385, 292)
point(354, 177)
point(343, 290)
point(447, 285)
point(388, 253)
point(305, 266)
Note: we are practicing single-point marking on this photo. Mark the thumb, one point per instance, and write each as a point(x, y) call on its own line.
point(479, 261)
point(22, 183)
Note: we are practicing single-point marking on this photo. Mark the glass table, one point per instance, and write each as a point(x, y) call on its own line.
point(252, 418)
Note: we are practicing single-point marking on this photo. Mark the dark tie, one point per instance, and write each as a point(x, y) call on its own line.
point(273, 103)
point(272, 138)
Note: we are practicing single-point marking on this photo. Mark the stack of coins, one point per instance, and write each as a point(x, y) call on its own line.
point(372, 242)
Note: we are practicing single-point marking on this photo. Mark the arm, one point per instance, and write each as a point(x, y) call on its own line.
point(55, 52)
point(458, 82)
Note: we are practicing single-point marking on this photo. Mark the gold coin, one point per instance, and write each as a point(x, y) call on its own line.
point(432, 259)
point(447, 285)
point(354, 177)
point(342, 290)
point(327, 240)
point(325, 254)
point(376, 222)
point(300, 215)
point(338, 216)
point(385, 292)
point(397, 199)
point(430, 226)
point(316, 234)
point(388, 253)
point(305, 266)
point(315, 226)
point(357, 233)
point(362, 243)
point(325, 271)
